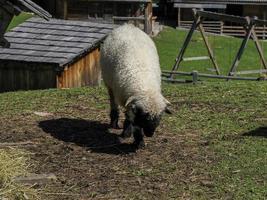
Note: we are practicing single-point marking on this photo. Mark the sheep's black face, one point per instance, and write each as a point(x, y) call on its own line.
point(147, 122)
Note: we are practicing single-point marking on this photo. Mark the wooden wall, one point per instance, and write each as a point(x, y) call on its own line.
point(16, 75)
point(26, 76)
point(83, 72)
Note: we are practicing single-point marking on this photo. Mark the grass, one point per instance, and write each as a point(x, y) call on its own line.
point(229, 118)
point(170, 41)
point(232, 118)
point(19, 19)
point(229, 114)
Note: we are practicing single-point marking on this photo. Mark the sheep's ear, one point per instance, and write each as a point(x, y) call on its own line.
point(168, 110)
point(134, 108)
point(131, 112)
point(129, 101)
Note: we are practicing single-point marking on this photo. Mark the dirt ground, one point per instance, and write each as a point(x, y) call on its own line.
point(90, 161)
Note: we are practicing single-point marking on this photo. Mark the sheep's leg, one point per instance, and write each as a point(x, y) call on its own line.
point(127, 129)
point(114, 111)
point(138, 138)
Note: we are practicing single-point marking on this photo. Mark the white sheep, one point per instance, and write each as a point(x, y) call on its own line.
point(131, 73)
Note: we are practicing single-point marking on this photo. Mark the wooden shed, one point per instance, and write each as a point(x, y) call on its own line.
point(52, 54)
point(138, 12)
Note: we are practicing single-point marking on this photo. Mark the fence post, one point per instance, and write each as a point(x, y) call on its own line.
point(195, 76)
point(221, 32)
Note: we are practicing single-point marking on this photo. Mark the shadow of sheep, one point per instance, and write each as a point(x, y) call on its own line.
point(92, 135)
point(259, 132)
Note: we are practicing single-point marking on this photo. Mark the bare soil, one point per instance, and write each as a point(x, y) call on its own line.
point(92, 162)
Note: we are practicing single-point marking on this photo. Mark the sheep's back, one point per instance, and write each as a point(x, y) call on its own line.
point(130, 63)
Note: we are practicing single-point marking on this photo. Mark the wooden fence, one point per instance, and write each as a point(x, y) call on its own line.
point(219, 27)
point(209, 26)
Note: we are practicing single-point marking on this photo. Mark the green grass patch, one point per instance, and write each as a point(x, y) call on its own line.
point(170, 40)
point(19, 19)
point(229, 118)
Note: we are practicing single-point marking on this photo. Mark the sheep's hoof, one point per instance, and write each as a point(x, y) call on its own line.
point(139, 144)
point(126, 134)
point(128, 130)
point(115, 125)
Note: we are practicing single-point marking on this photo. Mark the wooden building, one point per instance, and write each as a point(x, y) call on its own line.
point(251, 8)
point(51, 54)
point(138, 12)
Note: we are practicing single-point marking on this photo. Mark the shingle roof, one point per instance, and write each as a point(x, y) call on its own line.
point(55, 41)
point(251, 2)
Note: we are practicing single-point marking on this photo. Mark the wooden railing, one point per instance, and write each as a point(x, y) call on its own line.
point(209, 26)
point(239, 31)
point(218, 27)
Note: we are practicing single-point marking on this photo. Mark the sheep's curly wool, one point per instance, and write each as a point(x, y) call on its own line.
point(131, 69)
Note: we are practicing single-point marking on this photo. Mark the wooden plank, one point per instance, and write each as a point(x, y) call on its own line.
point(75, 23)
point(35, 53)
point(65, 9)
point(208, 76)
point(30, 58)
point(46, 48)
point(28, 41)
point(32, 179)
point(249, 72)
point(24, 76)
point(42, 31)
point(198, 5)
point(55, 36)
point(55, 27)
point(128, 18)
point(84, 72)
point(196, 58)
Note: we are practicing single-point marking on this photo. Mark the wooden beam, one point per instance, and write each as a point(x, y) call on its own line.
point(210, 52)
point(198, 5)
point(222, 17)
point(148, 18)
point(185, 45)
point(241, 49)
point(250, 72)
point(128, 18)
point(207, 76)
point(179, 17)
point(6, 15)
point(260, 50)
point(65, 9)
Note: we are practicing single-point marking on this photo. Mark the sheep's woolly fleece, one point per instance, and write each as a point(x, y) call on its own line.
point(131, 69)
